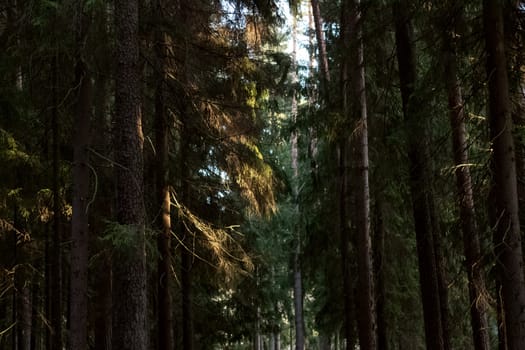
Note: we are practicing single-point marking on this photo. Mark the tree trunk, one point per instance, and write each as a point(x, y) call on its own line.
point(471, 242)
point(321, 46)
point(357, 113)
point(22, 302)
point(102, 327)
point(186, 248)
point(507, 233)
point(420, 181)
point(55, 251)
point(379, 273)
point(297, 271)
point(129, 269)
point(79, 223)
point(165, 323)
point(343, 149)
point(103, 207)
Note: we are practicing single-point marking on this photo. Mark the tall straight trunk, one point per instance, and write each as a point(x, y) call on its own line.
point(22, 302)
point(257, 338)
point(357, 114)
point(187, 293)
point(103, 304)
point(79, 223)
point(343, 149)
point(298, 297)
point(297, 270)
point(514, 49)
point(507, 233)
point(103, 208)
point(420, 180)
point(379, 274)
point(129, 270)
point(55, 251)
point(165, 323)
point(187, 244)
point(471, 242)
point(321, 46)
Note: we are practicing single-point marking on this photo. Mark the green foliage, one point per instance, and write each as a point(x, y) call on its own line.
point(125, 240)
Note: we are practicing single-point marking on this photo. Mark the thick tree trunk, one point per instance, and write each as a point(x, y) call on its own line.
point(103, 303)
point(471, 242)
point(129, 270)
point(420, 183)
point(507, 233)
point(79, 224)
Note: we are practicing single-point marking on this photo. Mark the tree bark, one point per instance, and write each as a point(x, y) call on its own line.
point(297, 271)
point(165, 322)
point(379, 274)
point(507, 233)
point(130, 310)
point(366, 320)
point(321, 46)
point(79, 223)
point(343, 149)
point(55, 251)
point(420, 180)
point(471, 242)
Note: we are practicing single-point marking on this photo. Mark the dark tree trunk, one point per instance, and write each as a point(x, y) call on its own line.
point(507, 233)
point(379, 246)
point(344, 231)
point(420, 184)
point(321, 47)
point(55, 251)
point(357, 114)
point(103, 302)
point(79, 224)
point(297, 270)
point(187, 294)
point(103, 207)
point(471, 242)
point(165, 323)
point(22, 302)
point(129, 269)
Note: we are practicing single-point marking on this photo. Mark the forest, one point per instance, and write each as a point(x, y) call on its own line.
point(262, 174)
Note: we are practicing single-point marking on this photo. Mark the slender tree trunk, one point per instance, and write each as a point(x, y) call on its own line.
point(165, 323)
point(186, 251)
point(420, 181)
point(55, 280)
point(297, 271)
point(343, 149)
point(129, 270)
point(22, 302)
point(379, 273)
point(321, 46)
point(187, 294)
point(357, 113)
point(103, 207)
point(79, 224)
point(471, 242)
point(507, 233)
